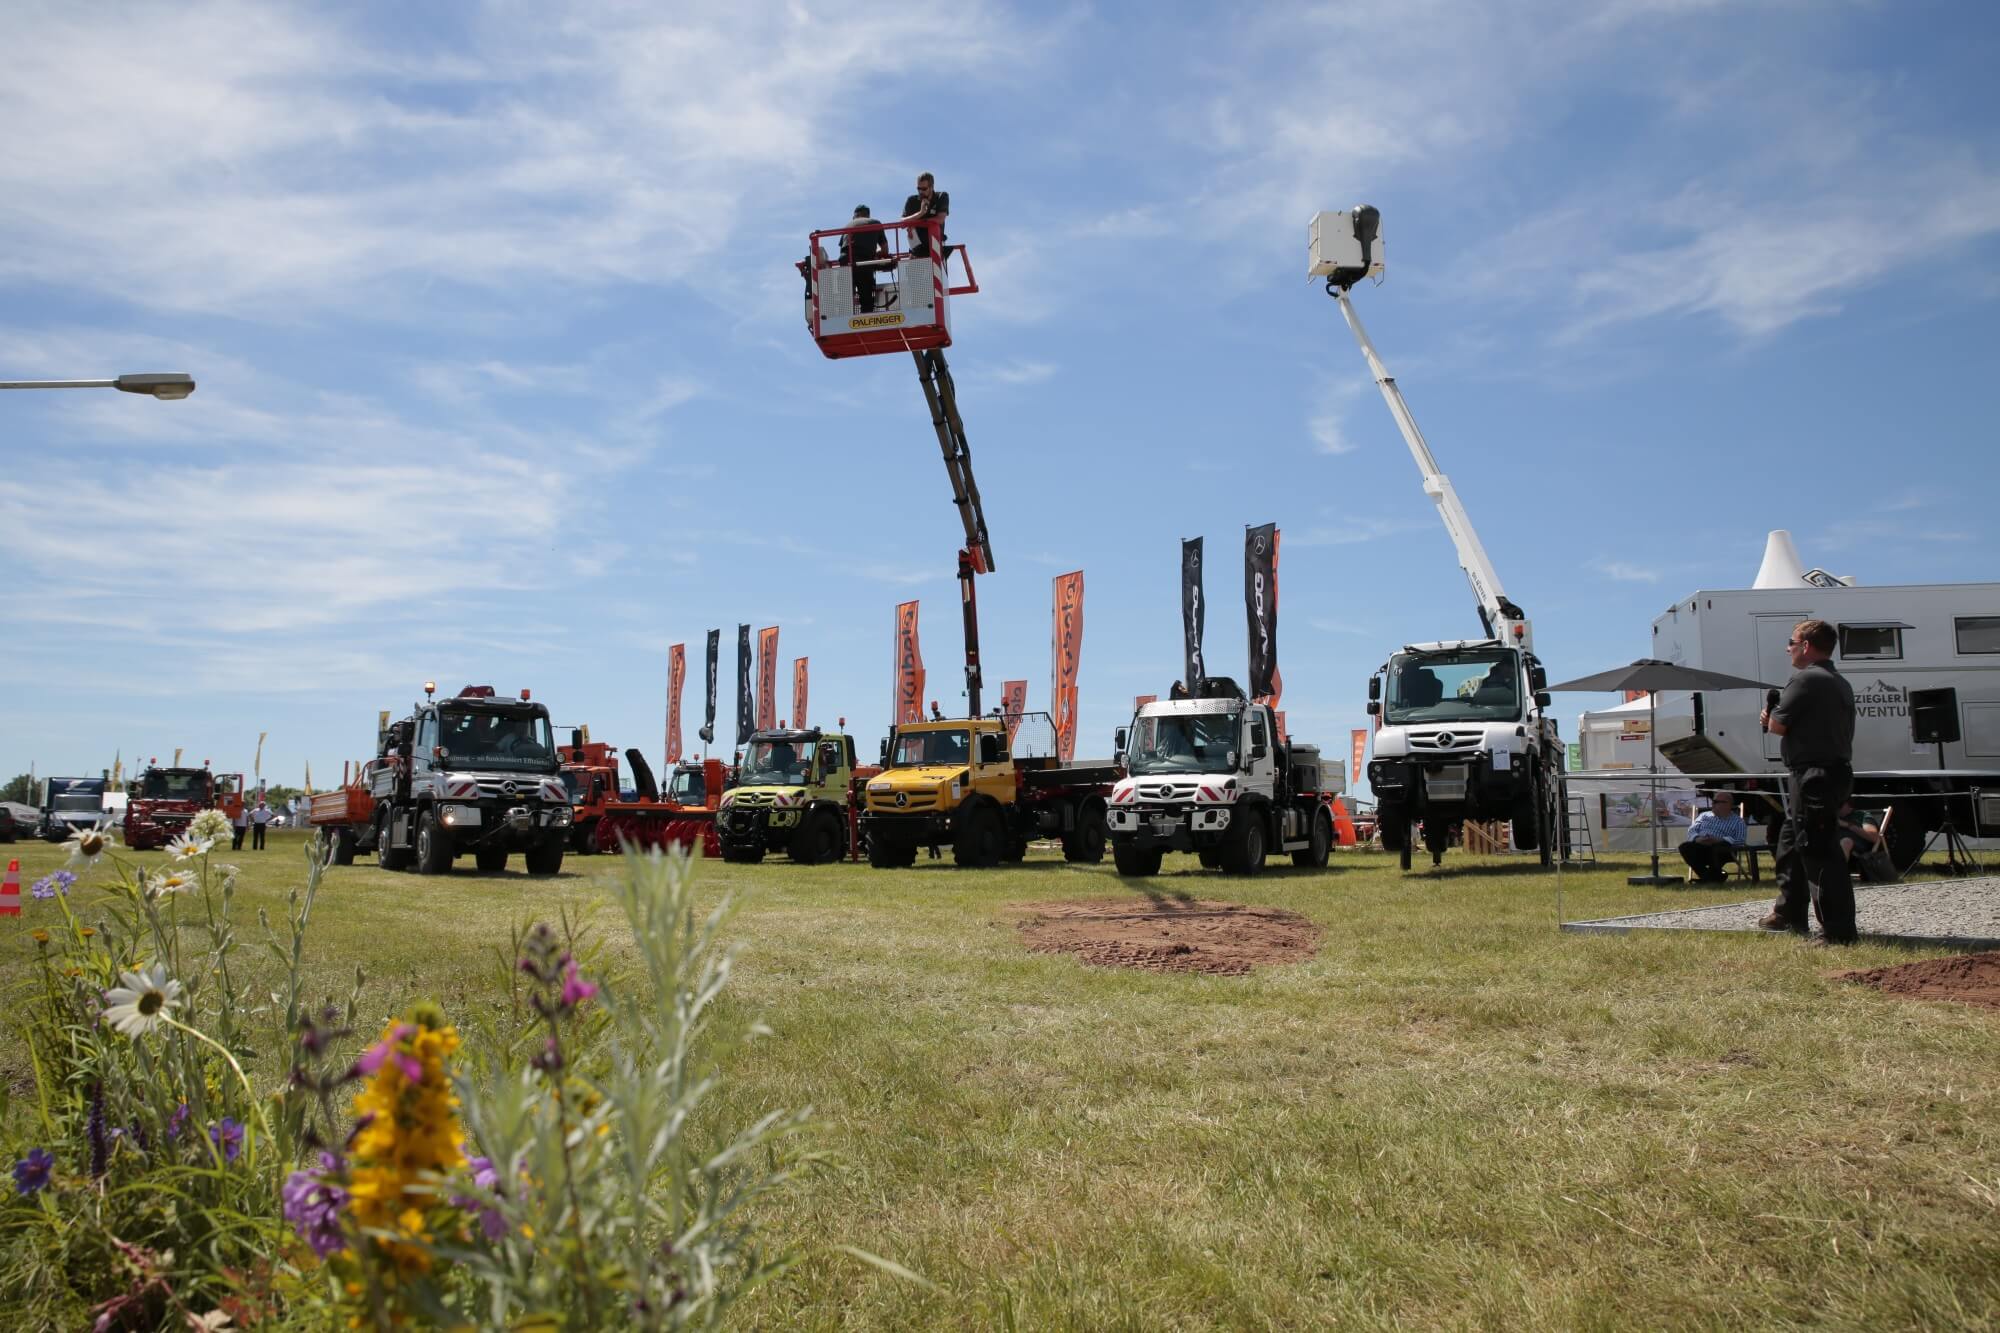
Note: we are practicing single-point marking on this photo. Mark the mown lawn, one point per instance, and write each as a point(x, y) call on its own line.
point(1453, 1115)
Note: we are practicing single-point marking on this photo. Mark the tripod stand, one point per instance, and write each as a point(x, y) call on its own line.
point(1958, 858)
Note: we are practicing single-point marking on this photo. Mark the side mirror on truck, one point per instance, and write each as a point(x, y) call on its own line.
point(1374, 689)
point(1118, 740)
point(1538, 677)
point(885, 752)
point(1374, 708)
point(1543, 698)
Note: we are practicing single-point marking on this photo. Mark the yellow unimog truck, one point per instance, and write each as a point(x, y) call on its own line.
point(962, 783)
point(793, 793)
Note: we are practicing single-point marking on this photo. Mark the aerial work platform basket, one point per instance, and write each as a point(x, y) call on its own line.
point(909, 308)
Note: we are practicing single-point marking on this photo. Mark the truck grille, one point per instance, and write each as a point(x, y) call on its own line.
point(1446, 742)
point(1166, 791)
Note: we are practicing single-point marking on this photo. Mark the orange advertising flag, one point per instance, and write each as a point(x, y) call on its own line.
point(798, 691)
point(1354, 775)
point(767, 677)
point(677, 674)
point(909, 662)
point(1013, 703)
point(1067, 651)
point(1141, 700)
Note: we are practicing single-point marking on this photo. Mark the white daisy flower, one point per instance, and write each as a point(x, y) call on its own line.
point(187, 846)
point(86, 845)
point(138, 1005)
point(210, 825)
point(170, 881)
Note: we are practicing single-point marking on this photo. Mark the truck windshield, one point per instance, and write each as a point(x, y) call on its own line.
point(485, 738)
point(775, 763)
point(688, 787)
point(1454, 687)
point(1191, 743)
point(84, 802)
point(930, 747)
point(174, 785)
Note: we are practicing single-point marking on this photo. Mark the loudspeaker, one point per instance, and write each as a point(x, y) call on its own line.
point(1934, 716)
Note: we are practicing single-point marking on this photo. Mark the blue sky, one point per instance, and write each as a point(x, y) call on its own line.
point(503, 376)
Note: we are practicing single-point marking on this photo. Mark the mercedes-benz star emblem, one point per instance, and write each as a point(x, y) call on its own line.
point(902, 798)
point(1445, 739)
point(509, 787)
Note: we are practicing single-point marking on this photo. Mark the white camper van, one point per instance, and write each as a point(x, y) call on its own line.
point(1894, 641)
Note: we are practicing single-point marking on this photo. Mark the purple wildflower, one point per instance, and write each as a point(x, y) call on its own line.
point(373, 1058)
point(98, 1134)
point(575, 989)
point(31, 1173)
point(485, 1177)
point(48, 886)
point(228, 1137)
point(177, 1121)
point(313, 1205)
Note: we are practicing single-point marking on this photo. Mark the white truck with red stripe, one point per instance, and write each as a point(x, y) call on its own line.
point(474, 774)
point(1212, 776)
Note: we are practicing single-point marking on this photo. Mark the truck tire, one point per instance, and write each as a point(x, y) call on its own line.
point(1246, 847)
point(741, 854)
point(1084, 844)
point(583, 838)
point(1133, 863)
point(490, 860)
point(386, 856)
point(818, 839)
point(1527, 814)
point(1392, 825)
point(343, 846)
point(544, 858)
point(433, 845)
point(980, 839)
point(1210, 857)
point(1017, 847)
point(890, 853)
point(1320, 847)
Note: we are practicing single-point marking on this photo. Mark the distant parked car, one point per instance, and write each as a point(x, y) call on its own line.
point(18, 821)
point(8, 829)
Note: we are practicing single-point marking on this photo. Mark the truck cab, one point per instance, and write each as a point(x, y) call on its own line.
point(792, 793)
point(1212, 776)
point(163, 802)
point(1465, 734)
point(72, 804)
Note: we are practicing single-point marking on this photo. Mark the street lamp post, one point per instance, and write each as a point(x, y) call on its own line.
point(165, 386)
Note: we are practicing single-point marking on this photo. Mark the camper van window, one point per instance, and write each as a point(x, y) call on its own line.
point(1876, 643)
point(1977, 634)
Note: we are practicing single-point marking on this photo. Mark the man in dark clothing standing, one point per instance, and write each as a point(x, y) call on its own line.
point(862, 252)
point(1815, 716)
point(928, 204)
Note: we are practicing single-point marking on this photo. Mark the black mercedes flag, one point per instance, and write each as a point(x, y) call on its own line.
point(1194, 613)
point(1260, 605)
point(746, 713)
point(708, 719)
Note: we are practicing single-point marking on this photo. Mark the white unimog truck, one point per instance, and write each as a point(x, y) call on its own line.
point(1210, 775)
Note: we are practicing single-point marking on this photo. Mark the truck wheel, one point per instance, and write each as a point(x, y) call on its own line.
point(888, 853)
point(1246, 842)
point(979, 841)
point(1017, 848)
point(1527, 814)
point(1085, 843)
point(1210, 857)
point(583, 838)
point(1392, 825)
point(741, 854)
point(544, 858)
point(1313, 856)
point(387, 857)
point(490, 860)
point(343, 846)
point(1133, 863)
point(433, 845)
point(818, 838)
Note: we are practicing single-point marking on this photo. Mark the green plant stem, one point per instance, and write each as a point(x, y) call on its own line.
point(250, 1145)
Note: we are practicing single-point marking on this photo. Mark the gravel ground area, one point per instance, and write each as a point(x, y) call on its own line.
point(1949, 913)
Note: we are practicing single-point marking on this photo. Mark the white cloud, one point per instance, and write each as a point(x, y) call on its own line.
point(1624, 571)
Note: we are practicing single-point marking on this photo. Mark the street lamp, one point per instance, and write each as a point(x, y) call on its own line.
point(167, 386)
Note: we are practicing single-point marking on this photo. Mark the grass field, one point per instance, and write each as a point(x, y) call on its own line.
point(1452, 1116)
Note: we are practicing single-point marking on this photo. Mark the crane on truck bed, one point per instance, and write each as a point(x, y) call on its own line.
point(1466, 731)
point(913, 314)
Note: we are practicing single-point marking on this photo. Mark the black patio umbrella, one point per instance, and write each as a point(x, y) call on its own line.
point(1653, 675)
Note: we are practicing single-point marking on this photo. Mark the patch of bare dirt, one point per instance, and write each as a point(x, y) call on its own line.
point(1972, 978)
point(1170, 934)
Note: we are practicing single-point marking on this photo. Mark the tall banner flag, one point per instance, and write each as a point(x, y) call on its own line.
point(1194, 613)
point(1260, 606)
point(909, 702)
point(707, 732)
point(746, 714)
point(257, 765)
point(177, 755)
point(1141, 700)
point(1013, 703)
point(309, 777)
point(677, 674)
point(1355, 773)
point(767, 677)
point(798, 691)
point(1067, 647)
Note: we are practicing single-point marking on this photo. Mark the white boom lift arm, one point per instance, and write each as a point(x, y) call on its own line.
point(1345, 248)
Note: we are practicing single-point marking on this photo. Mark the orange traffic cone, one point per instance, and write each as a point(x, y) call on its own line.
point(10, 890)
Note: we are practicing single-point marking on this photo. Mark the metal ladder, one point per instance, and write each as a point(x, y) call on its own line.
point(1578, 850)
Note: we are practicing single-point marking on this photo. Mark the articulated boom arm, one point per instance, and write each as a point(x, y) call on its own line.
point(1504, 620)
point(977, 557)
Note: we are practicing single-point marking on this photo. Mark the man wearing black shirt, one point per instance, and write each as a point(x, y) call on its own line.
point(1815, 716)
point(862, 251)
point(928, 204)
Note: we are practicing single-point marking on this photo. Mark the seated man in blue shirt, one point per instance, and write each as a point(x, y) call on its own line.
point(1714, 837)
